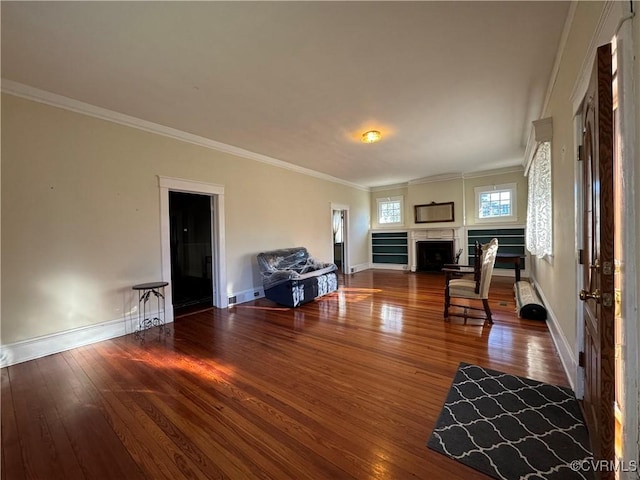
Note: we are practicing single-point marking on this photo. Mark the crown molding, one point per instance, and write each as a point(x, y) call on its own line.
point(611, 18)
point(531, 141)
point(436, 178)
point(450, 176)
point(41, 96)
point(559, 54)
point(383, 188)
point(497, 171)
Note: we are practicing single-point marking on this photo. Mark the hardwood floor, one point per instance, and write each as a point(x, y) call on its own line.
point(349, 386)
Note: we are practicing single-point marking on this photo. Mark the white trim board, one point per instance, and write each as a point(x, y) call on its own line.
point(389, 266)
point(23, 351)
point(360, 267)
point(218, 236)
point(612, 16)
point(565, 350)
point(246, 296)
point(346, 239)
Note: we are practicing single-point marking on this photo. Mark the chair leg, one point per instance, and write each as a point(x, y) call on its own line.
point(447, 299)
point(487, 310)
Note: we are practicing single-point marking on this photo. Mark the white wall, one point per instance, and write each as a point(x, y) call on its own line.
point(81, 215)
point(594, 24)
point(441, 191)
point(459, 190)
point(557, 278)
point(478, 180)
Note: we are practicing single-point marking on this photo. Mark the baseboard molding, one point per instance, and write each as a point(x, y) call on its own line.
point(23, 351)
point(565, 350)
point(389, 266)
point(505, 272)
point(246, 296)
point(359, 268)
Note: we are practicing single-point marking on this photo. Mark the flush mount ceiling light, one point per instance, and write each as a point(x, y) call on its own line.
point(371, 136)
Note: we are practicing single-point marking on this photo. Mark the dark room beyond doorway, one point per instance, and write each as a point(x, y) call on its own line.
point(191, 253)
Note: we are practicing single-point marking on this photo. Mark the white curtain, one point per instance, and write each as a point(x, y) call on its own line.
point(539, 207)
point(337, 226)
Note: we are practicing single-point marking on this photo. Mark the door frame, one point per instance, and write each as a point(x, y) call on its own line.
point(614, 21)
point(218, 248)
point(631, 245)
point(346, 264)
point(598, 256)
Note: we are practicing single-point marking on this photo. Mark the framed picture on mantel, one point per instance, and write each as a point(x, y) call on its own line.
point(434, 212)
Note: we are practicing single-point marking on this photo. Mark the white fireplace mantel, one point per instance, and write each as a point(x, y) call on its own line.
point(432, 234)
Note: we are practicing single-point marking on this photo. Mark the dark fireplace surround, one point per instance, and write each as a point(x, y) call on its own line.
point(433, 254)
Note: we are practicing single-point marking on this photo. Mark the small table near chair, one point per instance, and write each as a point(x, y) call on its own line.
point(148, 318)
point(511, 258)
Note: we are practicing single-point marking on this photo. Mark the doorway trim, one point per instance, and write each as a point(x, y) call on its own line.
point(346, 263)
point(218, 249)
point(615, 21)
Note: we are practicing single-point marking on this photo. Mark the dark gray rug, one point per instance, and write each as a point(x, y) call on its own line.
point(511, 427)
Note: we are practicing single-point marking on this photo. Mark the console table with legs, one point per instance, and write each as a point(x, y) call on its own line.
point(511, 258)
point(146, 317)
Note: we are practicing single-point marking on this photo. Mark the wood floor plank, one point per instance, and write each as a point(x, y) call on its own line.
point(160, 398)
point(12, 463)
point(346, 387)
point(147, 443)
point(99, 453)
point(287, 417)
point(235, 435)
point(143, 448)
point(43, 441)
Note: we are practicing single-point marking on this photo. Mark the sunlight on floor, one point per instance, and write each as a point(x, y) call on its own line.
point(160, 358)
point(353, 295)
point(392, 318)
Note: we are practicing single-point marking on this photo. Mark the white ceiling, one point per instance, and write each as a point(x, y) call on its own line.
point(453, 86)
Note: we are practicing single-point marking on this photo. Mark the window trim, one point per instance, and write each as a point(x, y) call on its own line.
point(383, 200)
point(513, 188)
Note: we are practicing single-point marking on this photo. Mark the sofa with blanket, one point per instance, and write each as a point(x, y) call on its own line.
point(291, 277)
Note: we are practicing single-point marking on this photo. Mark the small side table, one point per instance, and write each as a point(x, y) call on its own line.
point(511, 258)
point(147, 320)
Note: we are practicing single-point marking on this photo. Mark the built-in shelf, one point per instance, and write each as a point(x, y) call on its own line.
point(390, 248)
point(510, 240)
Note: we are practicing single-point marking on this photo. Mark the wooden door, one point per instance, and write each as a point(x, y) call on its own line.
point(598, 260)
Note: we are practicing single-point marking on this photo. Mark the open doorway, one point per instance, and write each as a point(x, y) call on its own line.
point(338, 238)
point(215, 195)
point(339, 222)
point(191, 252)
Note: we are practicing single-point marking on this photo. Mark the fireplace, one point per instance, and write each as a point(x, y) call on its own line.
point(432, 255)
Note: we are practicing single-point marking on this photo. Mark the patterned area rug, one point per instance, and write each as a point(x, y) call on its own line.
point(512, 428)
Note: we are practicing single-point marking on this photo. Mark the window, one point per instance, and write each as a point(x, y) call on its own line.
point(390, 210)
point(496, 203)
point(539, 214)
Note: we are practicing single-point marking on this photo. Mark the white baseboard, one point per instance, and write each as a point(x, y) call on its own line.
point(33, 348)
point(565, 350)
point(504, 272)
point(389, 266)
point(246, 295)
point(359, 268)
